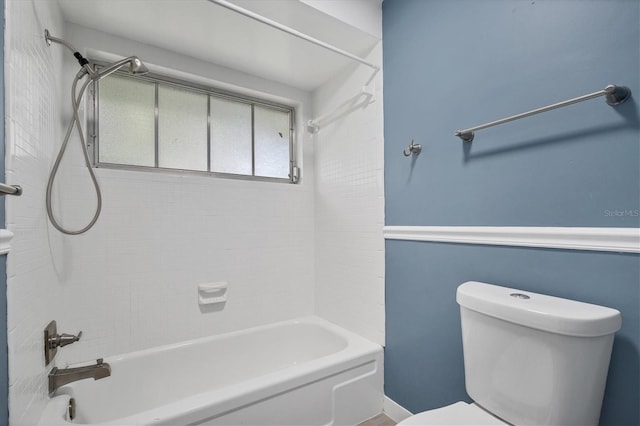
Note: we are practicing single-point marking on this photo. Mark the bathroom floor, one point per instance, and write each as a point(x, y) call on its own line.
point(379, 420)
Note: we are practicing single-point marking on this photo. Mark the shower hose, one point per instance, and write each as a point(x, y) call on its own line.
point(75, 120)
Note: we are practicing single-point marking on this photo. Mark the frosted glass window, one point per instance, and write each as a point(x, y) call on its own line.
point(169, 124)
point(182, 129)
point(271, 133)
point(230, 137)
point(126, 121)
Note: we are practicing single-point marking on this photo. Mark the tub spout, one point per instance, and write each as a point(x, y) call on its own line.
point(60, 377)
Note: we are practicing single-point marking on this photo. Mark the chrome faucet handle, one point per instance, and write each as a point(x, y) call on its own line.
point(53, 341)
point(62, 340)
point(66, 339)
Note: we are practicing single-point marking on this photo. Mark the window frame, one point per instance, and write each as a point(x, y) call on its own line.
point(93, 126)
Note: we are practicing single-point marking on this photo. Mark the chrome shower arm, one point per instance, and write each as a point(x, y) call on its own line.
point(84, 63)
point(50, 38)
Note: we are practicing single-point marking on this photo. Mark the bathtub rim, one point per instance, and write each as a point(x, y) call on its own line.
point(308, 319)
point(357, 351)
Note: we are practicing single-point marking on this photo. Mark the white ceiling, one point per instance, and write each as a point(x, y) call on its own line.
point(209, 32)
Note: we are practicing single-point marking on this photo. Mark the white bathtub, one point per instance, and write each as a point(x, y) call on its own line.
point(302, 372)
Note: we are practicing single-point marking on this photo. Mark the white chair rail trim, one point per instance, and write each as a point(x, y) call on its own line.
point(5, 241)
point(622, 240)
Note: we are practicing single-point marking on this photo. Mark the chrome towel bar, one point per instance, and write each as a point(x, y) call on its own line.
point(10, 189)
point(615, 95)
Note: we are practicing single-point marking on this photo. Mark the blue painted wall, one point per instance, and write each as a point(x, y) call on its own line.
point(423, 356)
point(451, 65)
point(455, 64)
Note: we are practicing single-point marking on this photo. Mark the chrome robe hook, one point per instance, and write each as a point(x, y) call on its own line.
point(413, 148)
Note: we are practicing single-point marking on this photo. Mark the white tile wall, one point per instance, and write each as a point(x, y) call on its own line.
point(159, 236)
point(131, 281)
point(350, 203)
point(32, 118)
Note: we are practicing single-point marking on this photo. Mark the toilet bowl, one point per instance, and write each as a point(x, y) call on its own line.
point(459, 413)
point(529, 359)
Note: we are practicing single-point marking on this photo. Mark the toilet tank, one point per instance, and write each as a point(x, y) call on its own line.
point(532, 359)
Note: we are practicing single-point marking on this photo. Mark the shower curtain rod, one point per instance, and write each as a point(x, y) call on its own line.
point(293, 32)
point(313, 125)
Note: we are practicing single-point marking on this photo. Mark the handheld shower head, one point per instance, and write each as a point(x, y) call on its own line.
point(136, 67)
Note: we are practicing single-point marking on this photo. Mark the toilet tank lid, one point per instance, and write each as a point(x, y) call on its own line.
point(539, 311)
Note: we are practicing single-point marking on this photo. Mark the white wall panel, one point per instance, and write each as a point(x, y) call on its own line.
point(131, 281)
point(350, 202)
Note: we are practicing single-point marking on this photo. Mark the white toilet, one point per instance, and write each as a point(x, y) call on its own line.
point(529, 359)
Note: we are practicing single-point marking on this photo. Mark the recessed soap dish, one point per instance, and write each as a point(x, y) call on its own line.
point(211, 293)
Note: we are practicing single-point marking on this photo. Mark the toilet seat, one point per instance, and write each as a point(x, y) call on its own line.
point(459, 413)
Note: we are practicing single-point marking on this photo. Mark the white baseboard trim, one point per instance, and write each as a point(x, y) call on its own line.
point(395, 411)
point(622, 240)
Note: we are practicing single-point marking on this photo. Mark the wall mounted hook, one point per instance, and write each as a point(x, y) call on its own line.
point(413, 148)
